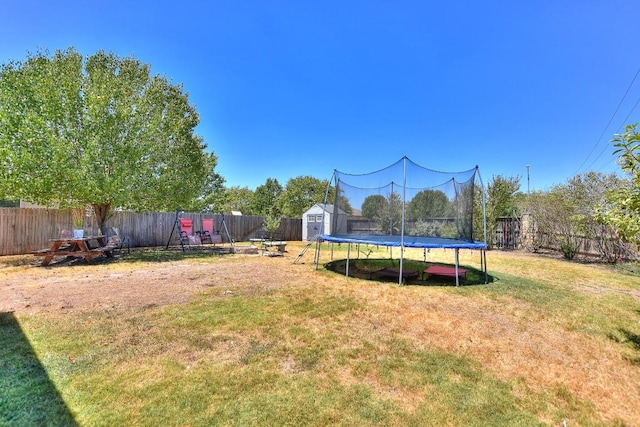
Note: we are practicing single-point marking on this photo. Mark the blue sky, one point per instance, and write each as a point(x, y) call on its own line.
point(292, 88)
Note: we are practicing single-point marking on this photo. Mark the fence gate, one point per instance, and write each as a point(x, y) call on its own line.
point(508, 233)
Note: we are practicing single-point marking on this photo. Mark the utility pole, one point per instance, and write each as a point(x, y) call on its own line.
point(528, 180)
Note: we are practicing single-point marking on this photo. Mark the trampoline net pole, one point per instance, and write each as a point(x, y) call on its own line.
point(403, 216)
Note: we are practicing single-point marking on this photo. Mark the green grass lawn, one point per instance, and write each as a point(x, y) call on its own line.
point(535, 346)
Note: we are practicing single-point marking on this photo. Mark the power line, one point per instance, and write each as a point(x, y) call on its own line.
point(609, 123)
point(613, 159)
point(626, 119)
point(624, 122)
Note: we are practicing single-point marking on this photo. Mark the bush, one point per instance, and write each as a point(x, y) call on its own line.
point(569, 249)
point(271, 225)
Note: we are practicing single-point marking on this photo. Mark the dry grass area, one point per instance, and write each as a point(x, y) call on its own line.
point(542, 325)
point(519, 339)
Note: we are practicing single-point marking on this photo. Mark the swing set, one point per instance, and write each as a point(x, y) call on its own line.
point(187, 237)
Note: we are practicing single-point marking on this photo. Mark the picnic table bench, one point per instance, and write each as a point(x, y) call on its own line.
point(83, 247)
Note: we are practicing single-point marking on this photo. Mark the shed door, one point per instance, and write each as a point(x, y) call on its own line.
point(314, 225)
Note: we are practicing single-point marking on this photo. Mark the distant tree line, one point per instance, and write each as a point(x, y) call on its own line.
point(268, 199)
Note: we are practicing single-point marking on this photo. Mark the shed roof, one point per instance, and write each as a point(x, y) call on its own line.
point(328, 208)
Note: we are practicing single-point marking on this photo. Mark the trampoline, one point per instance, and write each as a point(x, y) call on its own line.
point(409, 241)
point(406, 205)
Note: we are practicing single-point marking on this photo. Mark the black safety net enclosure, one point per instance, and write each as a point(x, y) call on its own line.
point(407, 205)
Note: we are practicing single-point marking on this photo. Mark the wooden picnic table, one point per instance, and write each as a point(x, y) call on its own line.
point(84, 247)
point(267, 244)
point(279, 245)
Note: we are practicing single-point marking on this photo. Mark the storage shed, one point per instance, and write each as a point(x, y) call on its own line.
point(312, 221)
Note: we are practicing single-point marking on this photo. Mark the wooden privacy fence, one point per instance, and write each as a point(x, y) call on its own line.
point(23, 230)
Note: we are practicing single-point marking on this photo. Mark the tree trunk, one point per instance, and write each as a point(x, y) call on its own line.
point(103, 212)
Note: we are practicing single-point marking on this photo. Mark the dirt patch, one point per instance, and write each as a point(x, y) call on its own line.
point(26, 287)
point(608, 290)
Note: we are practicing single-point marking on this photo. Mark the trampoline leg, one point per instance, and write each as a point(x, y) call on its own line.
point(486, 274)
point(457, 263)
point(347, 267)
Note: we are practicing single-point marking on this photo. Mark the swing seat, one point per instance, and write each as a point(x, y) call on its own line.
point(208, 233)
point(204, 236)
point(186, 230)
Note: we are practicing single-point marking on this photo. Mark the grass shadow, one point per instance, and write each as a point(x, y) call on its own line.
point(28, 395)
point(175, 253)
point(152, 254)
point(382, 270)
point(142, 254)
point(630, 340)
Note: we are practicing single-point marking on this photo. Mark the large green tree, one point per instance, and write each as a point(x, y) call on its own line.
point(341, 200)
point(238, 198)
point(300, 194)
point(375, 207)
point(393, 223)
point(265, 196)
point(100, 131)
point(622, 207)
point(430, 204)
point(212, 197)
point(501, 201)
